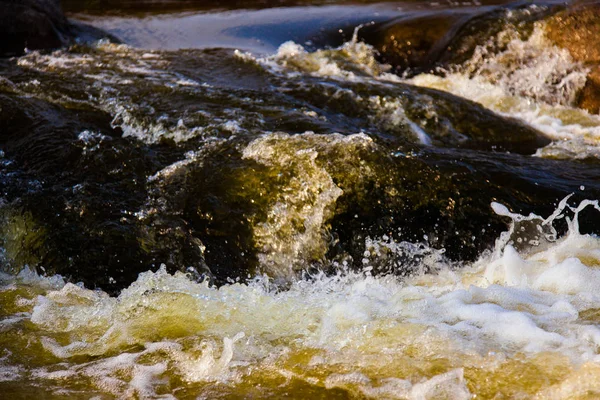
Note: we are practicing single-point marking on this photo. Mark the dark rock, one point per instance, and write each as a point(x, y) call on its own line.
point(249, 209)
point(37, 25)
point(456, 122)
point(398, 111)
point(415, 43)
point(32, 24)
point(69, 184)
point(81, 205)
point(423, 42)
point(85, 202)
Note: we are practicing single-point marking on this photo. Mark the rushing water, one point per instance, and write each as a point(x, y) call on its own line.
point(269, 210)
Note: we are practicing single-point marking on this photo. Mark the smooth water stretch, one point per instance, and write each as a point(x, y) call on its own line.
point(366, 200)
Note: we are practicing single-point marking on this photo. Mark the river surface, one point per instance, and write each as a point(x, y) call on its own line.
point(248, 201)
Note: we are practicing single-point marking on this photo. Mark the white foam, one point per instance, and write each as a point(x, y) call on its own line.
point(295, 225)
point(353, 61)
point(359, 325)
point(531, 80)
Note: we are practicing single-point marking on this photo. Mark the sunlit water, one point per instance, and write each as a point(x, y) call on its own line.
point(515, 324)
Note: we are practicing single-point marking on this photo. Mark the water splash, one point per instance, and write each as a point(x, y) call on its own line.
point(530, 79)
point(514, 323)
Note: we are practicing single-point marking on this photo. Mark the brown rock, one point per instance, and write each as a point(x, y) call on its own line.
point(423, 42)
point(577, 29)
point(589, 97)
point(413, 42)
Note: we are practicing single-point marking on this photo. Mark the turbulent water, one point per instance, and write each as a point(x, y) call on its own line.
point(182, 218)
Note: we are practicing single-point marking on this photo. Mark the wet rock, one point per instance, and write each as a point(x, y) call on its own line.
point(32, 24)
point(589, 98)
point(485, 25)
point(577, 29)
point(36, 25)
point(71, 186)
point(414, 43)
point(408, 113)
point(85, 202)
point(422, 43)
point(285, 203)
point(455, 122)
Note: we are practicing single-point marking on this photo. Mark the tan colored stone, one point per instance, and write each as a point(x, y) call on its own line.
point(589, 97)
point(577, 29)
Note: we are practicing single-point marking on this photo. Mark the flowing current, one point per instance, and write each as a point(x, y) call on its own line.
point(511, 324)
point(299, 219)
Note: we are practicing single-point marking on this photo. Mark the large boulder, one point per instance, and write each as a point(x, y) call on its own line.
point(67, 179)
point(82, 200)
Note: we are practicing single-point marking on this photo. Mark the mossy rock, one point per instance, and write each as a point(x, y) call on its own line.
point(282, 203)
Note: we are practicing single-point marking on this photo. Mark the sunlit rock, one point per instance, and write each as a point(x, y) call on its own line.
point(427, 41)
point(414, 43)
point(577, 29)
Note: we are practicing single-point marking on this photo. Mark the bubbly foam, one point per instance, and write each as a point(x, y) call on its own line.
point(112, 72)
point(451, 333)
point(532, 80)
point(295, 228)
point(353, 61)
